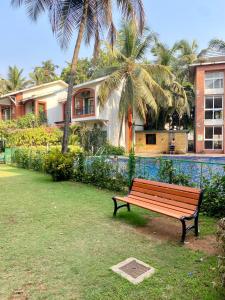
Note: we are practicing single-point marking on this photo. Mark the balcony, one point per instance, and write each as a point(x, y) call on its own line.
point(87, 110)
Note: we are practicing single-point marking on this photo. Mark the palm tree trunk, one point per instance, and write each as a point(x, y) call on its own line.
point(65, 140)
point(133, 129)
point(121, 129)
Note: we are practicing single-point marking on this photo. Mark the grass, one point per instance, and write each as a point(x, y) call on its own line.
point(58, 241)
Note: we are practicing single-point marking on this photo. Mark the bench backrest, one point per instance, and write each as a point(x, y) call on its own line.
point(172, 194)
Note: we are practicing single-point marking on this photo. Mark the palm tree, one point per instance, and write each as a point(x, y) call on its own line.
point(15, 80)
point(37, 76)
point(164, 54)
point(89, 17)
point(188, 51)
point(138, 81)
point(44, 74)
point(187, 54)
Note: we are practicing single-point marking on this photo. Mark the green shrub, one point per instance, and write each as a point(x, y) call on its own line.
point(100, 172)
point(113, 150)
point(37, 160)
point(59, 166)
point(29, 158)
point(80, 167)
point(167, 173)
point(21, 158)
point(38, 136)
point(213, 203)
point(221, 241)
point(91, 139)
point(29, 121)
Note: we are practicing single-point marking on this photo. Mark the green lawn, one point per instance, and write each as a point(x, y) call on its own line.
point(58, 241)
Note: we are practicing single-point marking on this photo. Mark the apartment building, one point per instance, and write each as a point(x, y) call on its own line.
point(209, 75)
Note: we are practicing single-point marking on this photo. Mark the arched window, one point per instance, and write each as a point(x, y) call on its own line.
point(84, 103)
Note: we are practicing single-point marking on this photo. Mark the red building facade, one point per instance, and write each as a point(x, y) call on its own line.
point(209, 106)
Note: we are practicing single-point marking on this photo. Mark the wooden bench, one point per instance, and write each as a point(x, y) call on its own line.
point(172, 200)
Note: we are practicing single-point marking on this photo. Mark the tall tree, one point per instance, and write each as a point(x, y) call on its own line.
point(140, 83)
point(87, 68)
point(217, 44)
point(83, 72)
point(15, 80)
point(178, 57)
point(186, 55)
point(89, 17)
point(164, 54)
point(44, 73)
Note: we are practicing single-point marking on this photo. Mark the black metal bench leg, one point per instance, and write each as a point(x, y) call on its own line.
point(115, 207)
point(196, 226)
point(184, 230)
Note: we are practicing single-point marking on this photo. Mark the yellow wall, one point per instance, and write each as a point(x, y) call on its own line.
point(163, 139)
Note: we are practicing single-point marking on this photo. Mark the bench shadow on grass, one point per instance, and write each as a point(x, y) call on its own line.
point(132, 218)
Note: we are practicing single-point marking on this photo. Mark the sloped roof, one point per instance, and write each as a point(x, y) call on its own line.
point(34, 88)
point(95, 81)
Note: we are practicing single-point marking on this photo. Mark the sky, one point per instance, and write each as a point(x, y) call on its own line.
point(26, 44)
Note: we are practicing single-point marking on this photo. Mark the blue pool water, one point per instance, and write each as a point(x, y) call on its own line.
point(204, 159)
point(195, 167)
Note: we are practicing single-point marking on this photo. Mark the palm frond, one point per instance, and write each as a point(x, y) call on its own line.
point(143, 46)
point(159, 73)
point(106, 71)
point(133, 9)
point(35, 7)
point(109, 85)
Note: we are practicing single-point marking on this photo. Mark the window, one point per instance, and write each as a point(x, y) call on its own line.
point(150, 139)
point(6, 113)
point(214, 137)
point(84, 103)
point(214, 80)
point(213, 107)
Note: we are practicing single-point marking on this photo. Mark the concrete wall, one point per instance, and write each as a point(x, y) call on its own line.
point(110, 112)
point(163, 140)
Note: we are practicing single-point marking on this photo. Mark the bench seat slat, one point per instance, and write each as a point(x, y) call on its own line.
point(167, 190)
point(176, 208)
point(161, 201)
point(155, 208)
point(164, 194)
point(172, 187)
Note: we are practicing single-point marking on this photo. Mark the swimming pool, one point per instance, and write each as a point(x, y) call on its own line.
point(204, 159)
point(195, 167)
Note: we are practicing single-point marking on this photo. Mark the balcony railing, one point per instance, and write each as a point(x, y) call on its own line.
point(88, 110)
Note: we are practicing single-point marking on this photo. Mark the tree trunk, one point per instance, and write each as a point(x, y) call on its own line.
point(133, 136)
point(133, 129)
point(120, 133)
point(72, 78)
